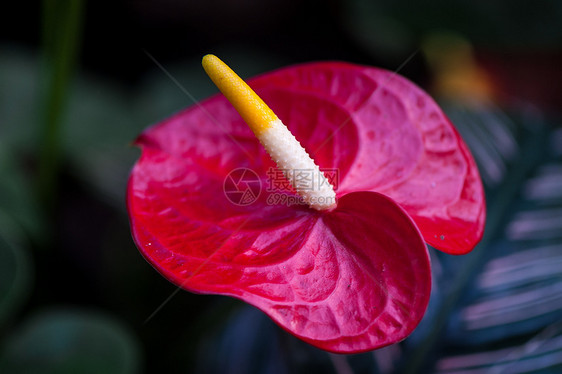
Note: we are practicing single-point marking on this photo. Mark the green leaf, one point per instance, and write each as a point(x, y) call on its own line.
point(249, 342)
point(15, 269)
point(62, 26)
point(541, 354)
point(16, 194)
point(70, 341)
point(19, 74)
point(99, 128)
point(498, 307)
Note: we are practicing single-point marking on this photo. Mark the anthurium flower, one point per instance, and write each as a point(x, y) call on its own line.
point(347, 276)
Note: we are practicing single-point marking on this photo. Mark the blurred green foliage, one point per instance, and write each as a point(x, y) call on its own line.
point(70, 341)
point(15, 270)
point(395, 28)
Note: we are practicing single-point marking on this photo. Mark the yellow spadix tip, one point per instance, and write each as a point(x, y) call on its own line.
point(284, 149)
point(251, 107)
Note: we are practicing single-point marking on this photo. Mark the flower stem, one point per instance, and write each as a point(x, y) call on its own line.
point(62, 24)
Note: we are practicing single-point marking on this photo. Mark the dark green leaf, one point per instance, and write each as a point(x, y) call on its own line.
point(15, 269)
point(502, 303)
point(70, 341)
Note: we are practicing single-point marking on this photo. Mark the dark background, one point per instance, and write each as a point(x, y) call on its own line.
point(78, 296)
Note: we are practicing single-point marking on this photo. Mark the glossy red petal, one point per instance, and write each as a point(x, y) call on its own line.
point(349, 280)
point(352, 280)
point(400, 143)
point(383, 276)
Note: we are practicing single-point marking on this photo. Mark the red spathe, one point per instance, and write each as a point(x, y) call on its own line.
point(348, 280)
